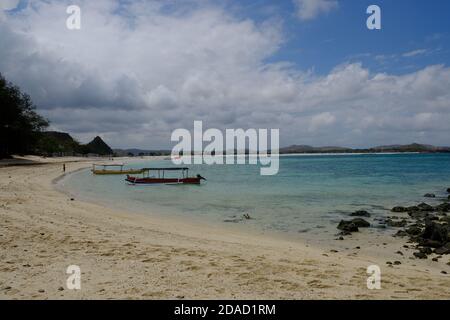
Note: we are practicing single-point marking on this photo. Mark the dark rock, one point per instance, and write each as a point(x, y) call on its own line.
point(443, 250)
point(399, 209)
point(388, 262)
point(397, 263)
point(347, 226)
point(445, 219)
point(430, 243)
point(420, 255)
point(425, 207)
point(360, 213)
point(448, 190)
point(426, 250)
point(60, 289)
point(430, 195)
point(401, 233)
point(435, 231)
point(443, 207)
point(414, 230)
point(435, 259)
point(399, 252)
point(417, 214)
point(361, 223)
point(444, 272)
point(413, 208)
point(247, 216)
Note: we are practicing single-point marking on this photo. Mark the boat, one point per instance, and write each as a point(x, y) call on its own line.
point(120, 169)
point(160, 177)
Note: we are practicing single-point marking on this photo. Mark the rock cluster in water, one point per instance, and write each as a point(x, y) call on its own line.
point(427, 226)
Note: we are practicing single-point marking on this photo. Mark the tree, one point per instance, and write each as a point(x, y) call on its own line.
point(20, 125)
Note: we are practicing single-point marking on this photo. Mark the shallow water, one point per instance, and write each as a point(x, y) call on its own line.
point(307, 198)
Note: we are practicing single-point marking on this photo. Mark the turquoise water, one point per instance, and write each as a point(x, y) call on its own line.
point(308, 196)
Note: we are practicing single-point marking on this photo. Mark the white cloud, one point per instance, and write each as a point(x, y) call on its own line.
point(9, 4)
point(310, 9)
point(136, 76)
point(415, 53)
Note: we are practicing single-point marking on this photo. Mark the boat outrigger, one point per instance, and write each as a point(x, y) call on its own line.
point(161, 178)
point(119, 170)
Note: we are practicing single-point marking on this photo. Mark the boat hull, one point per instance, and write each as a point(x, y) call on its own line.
point(149, 181)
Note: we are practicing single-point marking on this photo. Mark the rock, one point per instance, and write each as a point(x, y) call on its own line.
point(443, 250)
point(41, 290)
point(435, 259)
point(426, 250)
point(435, 231)
point(445, 219)
point(448, 190)
point(399, 252)
point(420, 255)
point(341, 238)
point(430, 195)
point(443, 207)
point(361, 223)
point(413, 208)
point(360, 213)
point(417, 214)
point(72, 199)
point(399, 209)
point(388, 262)
point(444, 272)
point(347, 226)
point(396, 224)
point(430, 243)
point(60, 289)
point(397, 263)
point(247, 216)
point(414, 230)
point(425, 207)
point(401, 233)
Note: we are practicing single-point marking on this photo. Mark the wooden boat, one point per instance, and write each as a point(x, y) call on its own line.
point(118, 171)
point(160, 178)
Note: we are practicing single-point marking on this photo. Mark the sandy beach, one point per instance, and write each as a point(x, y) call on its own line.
point(124, 255)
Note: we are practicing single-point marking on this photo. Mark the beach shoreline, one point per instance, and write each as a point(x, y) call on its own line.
point(125, 255)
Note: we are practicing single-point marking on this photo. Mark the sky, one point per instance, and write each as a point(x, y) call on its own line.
point(137, 70)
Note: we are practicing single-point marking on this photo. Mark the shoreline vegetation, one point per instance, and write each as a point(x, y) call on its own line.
point(126, 255)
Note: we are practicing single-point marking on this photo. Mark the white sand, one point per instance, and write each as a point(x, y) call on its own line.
point(126, 255)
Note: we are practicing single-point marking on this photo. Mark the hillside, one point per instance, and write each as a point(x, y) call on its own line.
point(98, 146)
point(61, 143)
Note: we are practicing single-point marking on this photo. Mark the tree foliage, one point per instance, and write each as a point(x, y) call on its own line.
point(20, 125)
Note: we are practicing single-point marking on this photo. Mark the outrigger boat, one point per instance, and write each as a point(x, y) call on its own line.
point(119, 170)
point(161, 178)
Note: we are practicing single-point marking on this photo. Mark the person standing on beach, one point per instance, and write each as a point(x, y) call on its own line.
point(64, 167)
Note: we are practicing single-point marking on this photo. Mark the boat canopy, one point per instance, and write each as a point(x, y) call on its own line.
point(165, 169)
point(108, 164)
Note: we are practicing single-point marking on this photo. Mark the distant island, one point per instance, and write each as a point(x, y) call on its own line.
point(397, 148)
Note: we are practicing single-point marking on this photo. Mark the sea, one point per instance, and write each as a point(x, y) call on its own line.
point(306, 199)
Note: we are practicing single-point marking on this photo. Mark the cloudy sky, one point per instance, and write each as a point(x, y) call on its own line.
point(137, 70)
